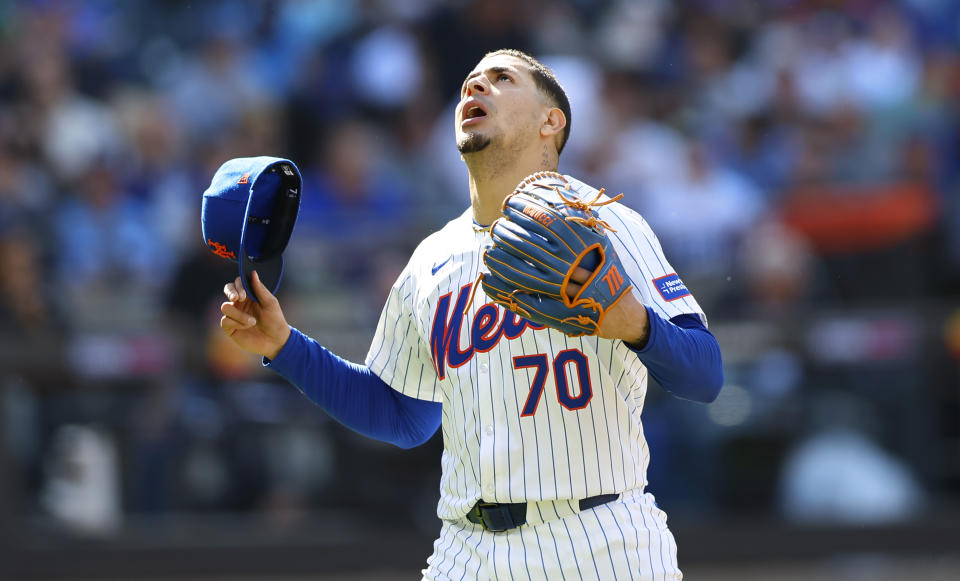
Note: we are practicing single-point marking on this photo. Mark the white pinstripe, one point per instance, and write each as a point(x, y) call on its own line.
point(493, 452)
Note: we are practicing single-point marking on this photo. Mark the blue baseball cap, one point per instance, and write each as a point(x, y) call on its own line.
point(248, 215)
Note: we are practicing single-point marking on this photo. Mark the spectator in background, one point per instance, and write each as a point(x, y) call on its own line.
point(818, 64)
point(73, 130)
point(764, 152)
point(882, 68)
point(25, 196)
point(637, 146)
point(106, 240)
point(778, 268)
point(32, 336)
point(26, 308)
point(355, 198)
point(701, 218)
point(211, 92)
point(839, 473)
point(157, 170)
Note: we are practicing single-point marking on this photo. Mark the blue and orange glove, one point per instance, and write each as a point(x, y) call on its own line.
point(547, 232)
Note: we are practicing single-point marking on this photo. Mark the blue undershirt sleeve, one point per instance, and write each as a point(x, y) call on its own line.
point(353, 395)
point(683, 356)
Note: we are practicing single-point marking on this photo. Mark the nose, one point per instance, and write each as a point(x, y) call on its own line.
point(476, 85)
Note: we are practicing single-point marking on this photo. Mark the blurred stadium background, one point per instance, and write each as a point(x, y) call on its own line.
point(798, 159)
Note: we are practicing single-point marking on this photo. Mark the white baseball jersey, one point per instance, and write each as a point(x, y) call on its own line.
point(529, 414)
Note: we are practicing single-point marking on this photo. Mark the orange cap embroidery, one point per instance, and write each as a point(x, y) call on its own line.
point(221, 250)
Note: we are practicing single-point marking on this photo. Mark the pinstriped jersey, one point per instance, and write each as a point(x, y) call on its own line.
point(529, 414)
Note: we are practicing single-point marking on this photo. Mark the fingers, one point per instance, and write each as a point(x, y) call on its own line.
point(234, 318)
point(234, 291)
point(580, 275)
point(264, 296)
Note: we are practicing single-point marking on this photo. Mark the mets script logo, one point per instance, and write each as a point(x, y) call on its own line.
point(490, 324)
point(220, 250)
point(244, 179)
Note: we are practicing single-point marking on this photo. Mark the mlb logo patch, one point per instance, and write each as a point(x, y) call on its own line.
point(671, 287)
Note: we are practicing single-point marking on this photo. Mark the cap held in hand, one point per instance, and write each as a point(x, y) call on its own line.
point(248, 214)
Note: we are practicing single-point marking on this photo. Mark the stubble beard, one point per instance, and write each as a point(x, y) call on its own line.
point(472, 143)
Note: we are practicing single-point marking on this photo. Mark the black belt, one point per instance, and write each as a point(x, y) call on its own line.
point(501, 517)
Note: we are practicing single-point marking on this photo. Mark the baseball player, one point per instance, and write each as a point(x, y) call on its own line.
point(537, 378)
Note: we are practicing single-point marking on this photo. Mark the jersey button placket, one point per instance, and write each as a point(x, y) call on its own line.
point(487, 451)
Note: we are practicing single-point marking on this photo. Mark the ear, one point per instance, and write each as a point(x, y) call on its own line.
point(554, 123)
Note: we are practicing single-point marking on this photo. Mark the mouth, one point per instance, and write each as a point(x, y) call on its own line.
point(473, 112)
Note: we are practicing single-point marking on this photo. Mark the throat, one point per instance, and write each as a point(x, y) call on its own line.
point(496, 171)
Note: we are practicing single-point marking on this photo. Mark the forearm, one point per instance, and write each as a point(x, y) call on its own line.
point(354, 395)
point(683, 356)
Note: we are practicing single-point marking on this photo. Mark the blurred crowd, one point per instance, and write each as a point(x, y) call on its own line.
point(798, 160)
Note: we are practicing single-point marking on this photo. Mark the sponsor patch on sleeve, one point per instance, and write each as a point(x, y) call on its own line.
point(671, 287)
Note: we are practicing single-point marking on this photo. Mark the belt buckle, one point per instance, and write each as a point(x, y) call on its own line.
point(495, 517)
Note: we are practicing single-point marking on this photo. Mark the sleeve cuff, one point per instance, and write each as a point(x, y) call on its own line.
point(655, 322)
point(295, 345)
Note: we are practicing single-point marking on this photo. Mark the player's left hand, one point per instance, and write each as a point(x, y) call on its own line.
point(627, 320)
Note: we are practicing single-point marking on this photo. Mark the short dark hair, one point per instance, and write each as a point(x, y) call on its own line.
point(546, 82)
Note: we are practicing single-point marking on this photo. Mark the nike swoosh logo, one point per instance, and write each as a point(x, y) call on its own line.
point(436, 268)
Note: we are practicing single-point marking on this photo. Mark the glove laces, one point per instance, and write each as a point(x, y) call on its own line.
point(587, 207)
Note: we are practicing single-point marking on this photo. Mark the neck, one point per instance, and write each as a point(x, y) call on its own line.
point(495, 174)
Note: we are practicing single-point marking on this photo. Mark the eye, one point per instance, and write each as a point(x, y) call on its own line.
point(504, 77)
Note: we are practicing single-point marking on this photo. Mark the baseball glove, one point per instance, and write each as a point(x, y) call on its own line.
point(546, 233)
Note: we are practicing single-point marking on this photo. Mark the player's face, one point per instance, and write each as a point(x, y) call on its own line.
point(499, 105)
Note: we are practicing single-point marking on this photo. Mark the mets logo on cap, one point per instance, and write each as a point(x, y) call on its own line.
point(248, 214)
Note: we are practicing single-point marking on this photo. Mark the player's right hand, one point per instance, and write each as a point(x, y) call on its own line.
point(257, 327)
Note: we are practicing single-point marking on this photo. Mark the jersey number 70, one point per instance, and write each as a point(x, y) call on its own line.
point(561, 362)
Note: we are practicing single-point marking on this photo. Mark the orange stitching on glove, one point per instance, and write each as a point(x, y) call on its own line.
point(575, 300)
point(506, 276)
point(511, 304)
point(583, 321)
point(473, 292)
point(505, 301)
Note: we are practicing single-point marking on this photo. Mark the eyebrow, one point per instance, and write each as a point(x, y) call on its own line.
point(478, 73)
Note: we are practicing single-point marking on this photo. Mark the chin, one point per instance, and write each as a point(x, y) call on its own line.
point(472, 143)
